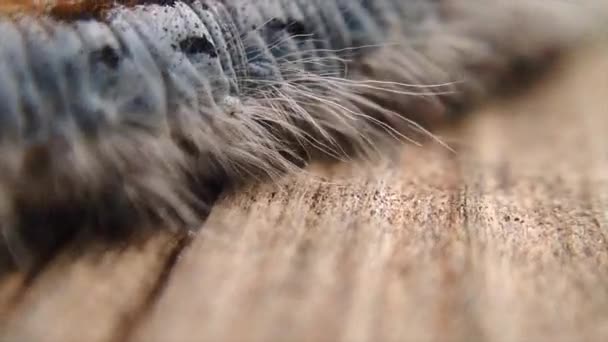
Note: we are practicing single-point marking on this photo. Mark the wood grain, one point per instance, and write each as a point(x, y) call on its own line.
point(503, 240)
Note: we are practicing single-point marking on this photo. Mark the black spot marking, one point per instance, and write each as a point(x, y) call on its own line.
point(295, 27)
point(276, 24)
point(291, 26)
point(196, 45)
point(107, 55)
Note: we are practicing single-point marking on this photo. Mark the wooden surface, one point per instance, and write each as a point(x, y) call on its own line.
point(504, 240)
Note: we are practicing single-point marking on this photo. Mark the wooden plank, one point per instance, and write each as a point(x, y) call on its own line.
point(539, 251)
point(92, 298)
point(505, 241)
point(305, 259)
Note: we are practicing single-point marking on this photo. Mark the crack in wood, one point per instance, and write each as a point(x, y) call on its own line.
point(126, 329)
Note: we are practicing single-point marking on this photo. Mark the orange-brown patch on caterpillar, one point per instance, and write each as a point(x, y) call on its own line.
point(19, 6)
point(78, 9)
point(66, 9)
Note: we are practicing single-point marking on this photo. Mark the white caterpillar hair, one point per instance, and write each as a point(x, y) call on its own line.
point(137, 113)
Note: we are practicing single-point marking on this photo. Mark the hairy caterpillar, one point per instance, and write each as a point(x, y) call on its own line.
point(122, 114)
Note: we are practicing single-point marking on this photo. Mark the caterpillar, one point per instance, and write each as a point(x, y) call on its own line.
point(124, 114)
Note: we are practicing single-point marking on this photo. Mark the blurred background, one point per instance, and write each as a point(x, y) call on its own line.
point(500, 237)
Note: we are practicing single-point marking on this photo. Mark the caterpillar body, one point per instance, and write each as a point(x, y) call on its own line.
point(125, 114)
